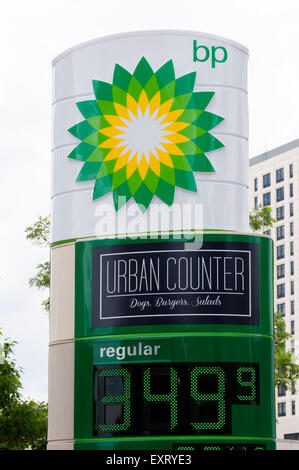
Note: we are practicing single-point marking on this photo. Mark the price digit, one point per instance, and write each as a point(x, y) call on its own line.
point(212, 448)
point(124, 399)
point(170, 397)
point(218, 397)
point(185, 448)
point(250, 383)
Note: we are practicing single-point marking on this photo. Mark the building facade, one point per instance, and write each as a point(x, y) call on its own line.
point(274, 182)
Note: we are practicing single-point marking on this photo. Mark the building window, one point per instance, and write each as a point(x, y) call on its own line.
point(291, 190)
point(255, 184)
point(281, 308)
point(280, 232)
point(291, 229)
point(280, 194)
point(291, 209)
point(292, 287)
point(282, 409)
point(266, 180)
point(293, 347)
point(293, 408)
point(292, 268)
point(280, 251)
point(280, 291)
point(293, 387)
point(279, 175)
point(280, 271)
point(281, 391)
point(267, 199)
point(256, 202)
point(291, 248)
point(294, 436)
point(292, 307)
point(291, 170)
point(292, 327)
point(280, 213)
point(267, 232)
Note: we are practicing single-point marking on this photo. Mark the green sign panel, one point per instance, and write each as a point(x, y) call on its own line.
point(195, 372)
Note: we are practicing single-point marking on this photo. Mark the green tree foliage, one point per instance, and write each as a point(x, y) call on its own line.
point(10, 376)
point(286, 367)
point(39, 234)
point(260, 218)
point(23, 423)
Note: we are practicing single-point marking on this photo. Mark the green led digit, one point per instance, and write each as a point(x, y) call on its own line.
point(209, 397)
point(247, 383)
point(124, 399)
point(185, 448)
point(170, 397)
point(212, 448)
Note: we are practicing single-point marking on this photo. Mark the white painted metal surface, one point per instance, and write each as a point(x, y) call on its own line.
point(222, 194)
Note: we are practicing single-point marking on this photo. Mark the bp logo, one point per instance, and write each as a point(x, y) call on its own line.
point(144, 135)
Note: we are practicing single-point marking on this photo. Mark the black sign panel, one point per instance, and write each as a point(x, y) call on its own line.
point(169, 282)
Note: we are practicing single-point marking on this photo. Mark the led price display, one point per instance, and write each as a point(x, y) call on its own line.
point(215, 446)
point(171, 398)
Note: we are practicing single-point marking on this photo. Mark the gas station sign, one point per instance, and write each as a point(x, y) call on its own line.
point(161, 324)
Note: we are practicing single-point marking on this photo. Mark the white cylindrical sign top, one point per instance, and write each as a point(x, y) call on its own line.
point(150, 133)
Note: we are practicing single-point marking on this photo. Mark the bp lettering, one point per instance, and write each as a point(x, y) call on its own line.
point(216, 54)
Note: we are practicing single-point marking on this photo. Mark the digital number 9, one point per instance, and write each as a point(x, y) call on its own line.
point(250, 383)
point(218, 397)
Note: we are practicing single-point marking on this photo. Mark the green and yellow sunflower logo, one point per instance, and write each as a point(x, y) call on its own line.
point(144, 135)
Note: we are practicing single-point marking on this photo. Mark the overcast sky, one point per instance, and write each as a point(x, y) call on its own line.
point(32, 33)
